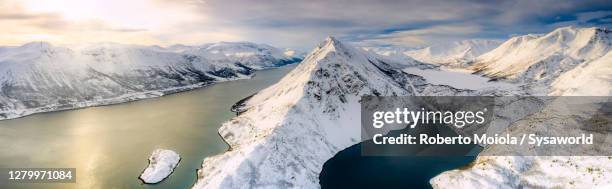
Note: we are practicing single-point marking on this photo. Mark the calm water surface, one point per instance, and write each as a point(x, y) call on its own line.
point(109, 145)
point(349, 169)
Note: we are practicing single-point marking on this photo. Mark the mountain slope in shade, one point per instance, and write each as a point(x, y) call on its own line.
point(40, 77)
point(542, 58)
point(457, 53)
point(286, 132)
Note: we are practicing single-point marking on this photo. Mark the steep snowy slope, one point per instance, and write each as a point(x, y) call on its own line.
point(589, 79)
point(286, 132)
point(542, 58)
point(40, 77)
point(455, 54)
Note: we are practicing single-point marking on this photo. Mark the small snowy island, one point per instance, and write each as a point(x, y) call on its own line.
point(161, 164)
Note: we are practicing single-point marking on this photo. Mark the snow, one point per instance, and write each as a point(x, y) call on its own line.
point(581, 66)
point(459, 78)
point(536, 171)
point(530, 172)
point(40, 77)
point(453, 54)
point(161, 164)
point(542, 58)
point(590, 79)
point(258, 56)
point(290, 129)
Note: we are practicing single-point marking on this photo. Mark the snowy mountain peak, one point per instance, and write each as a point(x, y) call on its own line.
point(544, 57)
point(331, 43)
point(333, 51)
point(315, 107)
point(302, 105)
point(331, 39)
point(335, 69)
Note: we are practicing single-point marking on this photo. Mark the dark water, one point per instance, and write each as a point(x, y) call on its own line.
point(350, 169)
point(109, 145)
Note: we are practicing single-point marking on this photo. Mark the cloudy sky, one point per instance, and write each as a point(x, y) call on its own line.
point(284, 23)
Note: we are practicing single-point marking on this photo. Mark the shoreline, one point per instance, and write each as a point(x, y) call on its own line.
point(125, 98)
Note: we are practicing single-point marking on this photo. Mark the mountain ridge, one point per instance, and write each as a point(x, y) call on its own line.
point(544, 57)
point(313, 107)
point(40, 77)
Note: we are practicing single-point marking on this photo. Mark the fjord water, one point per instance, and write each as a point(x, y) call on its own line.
point(354, 168)
point(349, 169)
point(109, 145)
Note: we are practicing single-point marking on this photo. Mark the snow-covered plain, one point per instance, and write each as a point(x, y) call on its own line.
point(161, 164)
point(460, 78)
point(40, 77)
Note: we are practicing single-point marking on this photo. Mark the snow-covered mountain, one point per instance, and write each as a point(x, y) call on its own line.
point(396, 55)
point(543, 171)
point(568, 62)
point(286, 132)
point(542, 58)
point(40, 77)
point(592, 79)
point(457, 53)
point(256, 56)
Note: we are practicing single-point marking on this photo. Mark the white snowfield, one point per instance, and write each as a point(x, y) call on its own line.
point(40, 77)
point(161, 164)
point(288, 131)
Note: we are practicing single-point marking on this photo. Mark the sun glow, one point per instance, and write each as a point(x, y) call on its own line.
point(140, 14)
point(147, 22)
point(69, 9)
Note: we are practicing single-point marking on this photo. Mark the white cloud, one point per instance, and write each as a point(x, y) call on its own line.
point(425, 36)
point(286, 23)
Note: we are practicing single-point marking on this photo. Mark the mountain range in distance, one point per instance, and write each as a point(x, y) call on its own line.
point(313, 106)
point(40, 77)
